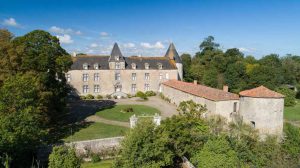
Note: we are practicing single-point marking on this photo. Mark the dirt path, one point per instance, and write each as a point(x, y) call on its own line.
point(95, 118)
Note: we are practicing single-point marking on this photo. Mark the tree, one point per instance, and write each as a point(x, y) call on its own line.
point(209, 44)
point(185, 134)
point(191, 109)
point(290, 96)
point(186, 62)
point(21, 118)
point(144, 147)
point(63, 156)
point(210, 77)
point(292, 140)
point(235, 77)
point(216, 153)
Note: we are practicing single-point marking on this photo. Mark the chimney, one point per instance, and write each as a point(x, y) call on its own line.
point(225, 88)
point(195, 82)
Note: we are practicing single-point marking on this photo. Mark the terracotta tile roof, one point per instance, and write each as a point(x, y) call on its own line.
point(261, 92)
point(202, 91)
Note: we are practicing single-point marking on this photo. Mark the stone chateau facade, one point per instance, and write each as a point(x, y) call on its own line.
point(119, 75)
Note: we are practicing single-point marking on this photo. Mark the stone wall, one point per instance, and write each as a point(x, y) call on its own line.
point(223, 108)
point(96, 145)
point(107, 80)
point(265, 114)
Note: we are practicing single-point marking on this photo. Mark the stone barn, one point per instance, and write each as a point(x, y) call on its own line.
point(217, 101)
point(263, 109)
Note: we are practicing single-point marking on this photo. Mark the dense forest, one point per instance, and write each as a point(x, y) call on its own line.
point(214, 67)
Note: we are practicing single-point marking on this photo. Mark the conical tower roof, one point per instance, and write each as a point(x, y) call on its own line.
point(261, 92)
point(173, 54)
point(116, 52)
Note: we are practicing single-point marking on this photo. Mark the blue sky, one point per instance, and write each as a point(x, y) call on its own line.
point(257, 27)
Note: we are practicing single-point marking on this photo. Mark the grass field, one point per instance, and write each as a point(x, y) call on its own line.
point(116, 112)
point(292, 113)
point(96, 131)
point(102, 164)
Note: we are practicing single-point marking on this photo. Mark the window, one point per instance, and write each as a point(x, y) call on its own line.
point(235, 107)
point(252, 124)
point(160, 76)
point(68, 77)
point(167, 76)
point(117, 58)
point(96, 88)
point(96, 66)
point(133, 88)
point(96, 77)
point(159, 66)
point(133, 66)
point(85, 77)
point(85, 66)
point(118, 65)
point(133, 76)
point(85, 88)
point(118, 76)
point(146, 66)
point(147, 76)
point(147, 87)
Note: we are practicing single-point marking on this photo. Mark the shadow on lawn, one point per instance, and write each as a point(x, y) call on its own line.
point(74, 120)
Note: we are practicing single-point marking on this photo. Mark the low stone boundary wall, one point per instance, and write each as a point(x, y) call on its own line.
point(96, 145)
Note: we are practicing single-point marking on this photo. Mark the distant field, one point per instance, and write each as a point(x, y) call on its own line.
point(117, 112)
point(292, 113)
point(97, 131)
point(102, 164)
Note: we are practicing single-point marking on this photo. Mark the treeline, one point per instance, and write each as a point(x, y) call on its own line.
point(206, 142)
point(213, 67)
point(33, 93)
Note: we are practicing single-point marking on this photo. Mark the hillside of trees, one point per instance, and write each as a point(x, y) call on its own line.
point(214, 67)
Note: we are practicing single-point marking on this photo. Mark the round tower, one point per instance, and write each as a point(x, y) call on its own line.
point(172, 54)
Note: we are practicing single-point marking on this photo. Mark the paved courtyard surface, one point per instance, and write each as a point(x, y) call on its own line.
point(85, 109)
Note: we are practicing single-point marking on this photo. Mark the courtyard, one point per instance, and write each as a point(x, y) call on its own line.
point(95, 119)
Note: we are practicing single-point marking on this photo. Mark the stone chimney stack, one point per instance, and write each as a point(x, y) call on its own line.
point(195, 82)
point(225, 88)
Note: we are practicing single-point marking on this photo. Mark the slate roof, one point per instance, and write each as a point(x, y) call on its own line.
point(172, 53)
point(261, 92)
point(116, 52)
point(202, 91)
point(103, 62)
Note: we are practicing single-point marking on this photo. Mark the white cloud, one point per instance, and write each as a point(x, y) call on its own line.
point(93, 45)
point(129, 45)
point(10, 22)
point(59, 30)
point(65, 39)
point(157, 45)
point(103, 34)
point(243, 49)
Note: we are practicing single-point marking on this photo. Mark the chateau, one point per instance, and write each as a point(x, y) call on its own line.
point(117, 75)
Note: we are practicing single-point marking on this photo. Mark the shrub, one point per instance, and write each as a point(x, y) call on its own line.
point(150, 93)
point(141, 95)
point(89, 97)
point(99, 97)
point(290, 96)
point(115, 97)
point(63, 156)
point(108, 96)
point(82, 97)
point(128, 110)
point(95, 157)
point(130, 96)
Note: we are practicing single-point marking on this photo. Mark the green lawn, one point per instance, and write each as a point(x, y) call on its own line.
point(292, 113)
point(116, 112)
point(96, 131)
point(102, 164)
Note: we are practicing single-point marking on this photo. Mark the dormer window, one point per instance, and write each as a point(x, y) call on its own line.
point(85, 66)
point(159, 65)
point(96, 66)
point(117, 58)
point(118, 65)
point(133, 66)
point(146, 66)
